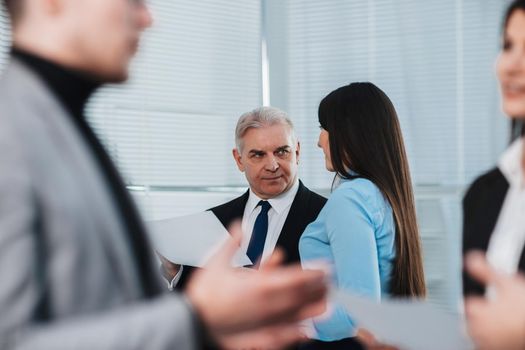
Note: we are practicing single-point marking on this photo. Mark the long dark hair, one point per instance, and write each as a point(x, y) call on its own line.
point(365, 136)
point(517, 126)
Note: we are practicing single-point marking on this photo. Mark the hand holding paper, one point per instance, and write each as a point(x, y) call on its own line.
point(258, 309)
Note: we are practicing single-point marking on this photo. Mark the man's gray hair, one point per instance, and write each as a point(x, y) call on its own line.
point(261, 117)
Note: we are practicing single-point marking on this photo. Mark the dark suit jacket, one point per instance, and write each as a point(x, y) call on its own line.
point(305, 208)
point(481, 206)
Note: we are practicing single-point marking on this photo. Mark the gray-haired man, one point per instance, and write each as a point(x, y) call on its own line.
point(267, 152)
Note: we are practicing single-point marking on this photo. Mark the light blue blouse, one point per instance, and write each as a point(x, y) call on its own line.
point(354, 233)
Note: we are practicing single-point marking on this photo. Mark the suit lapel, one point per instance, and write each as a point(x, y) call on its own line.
point(494, 203)
point(294, 225)
point(301, 213)
point(231, 211)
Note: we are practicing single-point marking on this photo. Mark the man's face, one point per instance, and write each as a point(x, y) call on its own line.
point(269, 159)
point(104, 34)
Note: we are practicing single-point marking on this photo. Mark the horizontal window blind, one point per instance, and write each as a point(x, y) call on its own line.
point(197, 70)
point(434, 59)
point(170, 128)
point(172, 124)
point(5, 37)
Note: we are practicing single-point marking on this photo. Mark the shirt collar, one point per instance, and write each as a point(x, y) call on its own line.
point(510, 164)
point(278, 203)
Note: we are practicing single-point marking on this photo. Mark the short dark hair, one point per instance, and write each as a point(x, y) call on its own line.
point(13, 8)
point(517, 127)
point(513, 6)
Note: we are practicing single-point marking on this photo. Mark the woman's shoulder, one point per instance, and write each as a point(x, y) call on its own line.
point(492, 179)
point(357, 197)
point(361, 190)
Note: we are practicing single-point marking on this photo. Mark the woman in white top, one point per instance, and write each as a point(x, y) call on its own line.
point(494, 213)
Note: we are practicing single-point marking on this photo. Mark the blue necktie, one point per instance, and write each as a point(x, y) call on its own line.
point(260, 229)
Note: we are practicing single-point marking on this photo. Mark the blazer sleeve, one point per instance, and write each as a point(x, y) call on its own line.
point(162, 323)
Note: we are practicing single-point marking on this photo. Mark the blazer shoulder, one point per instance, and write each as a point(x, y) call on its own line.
point(241, 200)
point(229, 211)
point(315, 201)
point(491, 180)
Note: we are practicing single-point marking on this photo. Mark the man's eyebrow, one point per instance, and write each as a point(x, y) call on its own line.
point(256, 151)
point(283, 148)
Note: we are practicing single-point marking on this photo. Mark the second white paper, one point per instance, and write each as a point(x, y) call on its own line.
point(408, 325)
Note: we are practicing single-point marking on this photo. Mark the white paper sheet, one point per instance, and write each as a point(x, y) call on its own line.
point(192, 239)
point(408, 325)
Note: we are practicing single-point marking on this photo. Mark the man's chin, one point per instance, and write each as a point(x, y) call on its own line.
point(116, 78)
point(109, 76)
point(275, 190)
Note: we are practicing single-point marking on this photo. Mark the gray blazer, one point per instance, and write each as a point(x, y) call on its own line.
point(54, 200)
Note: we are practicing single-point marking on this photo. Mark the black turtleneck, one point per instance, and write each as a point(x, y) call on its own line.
point(73, 88)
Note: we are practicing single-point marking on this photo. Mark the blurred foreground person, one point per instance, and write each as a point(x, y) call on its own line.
point(496, 323)
point(76, 268)
point(494, 207)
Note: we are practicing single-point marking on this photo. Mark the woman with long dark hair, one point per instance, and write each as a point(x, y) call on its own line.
point(368, 227)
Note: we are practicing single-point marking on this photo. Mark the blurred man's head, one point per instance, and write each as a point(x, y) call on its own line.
point(267, 151)
point(98, 37)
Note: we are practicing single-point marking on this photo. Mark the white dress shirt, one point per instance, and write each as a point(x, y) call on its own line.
point(508, 239)
point(276, 218)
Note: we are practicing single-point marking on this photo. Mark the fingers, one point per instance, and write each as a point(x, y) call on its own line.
point(312, 310)
point(370, 342)
point(475, 312)
point(236, 232)
point(275, 260)
point(283, 295)
point(366, 338)
point(294, 294)
point(271, 337)
point(477, 266)
point(224, 256)
point(474, 306)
